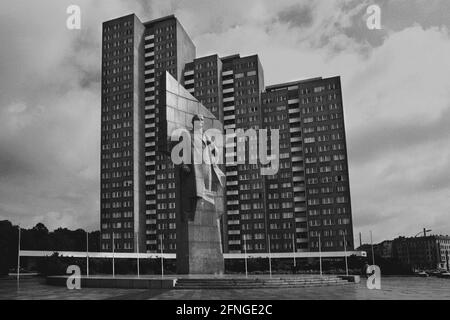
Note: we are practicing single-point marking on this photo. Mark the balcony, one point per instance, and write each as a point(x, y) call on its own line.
point(231, 99)
point(229, 118)
point(231, 90)
point(299, 189)
point(227, 73)
point(230, 127)
point(227, 109)
point(230, 155)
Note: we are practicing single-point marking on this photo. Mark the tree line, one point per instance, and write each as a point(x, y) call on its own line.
point(39, 238)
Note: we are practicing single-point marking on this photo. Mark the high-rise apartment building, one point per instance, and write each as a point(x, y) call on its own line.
point(308, 197)
point(313, 182)
point(138, 191)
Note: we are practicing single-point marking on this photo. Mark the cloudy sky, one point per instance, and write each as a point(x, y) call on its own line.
point(396, 88)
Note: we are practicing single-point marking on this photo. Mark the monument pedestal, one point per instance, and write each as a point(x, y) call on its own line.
point(199, 246)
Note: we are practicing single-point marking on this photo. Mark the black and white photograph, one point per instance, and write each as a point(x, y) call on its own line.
point(224, 152)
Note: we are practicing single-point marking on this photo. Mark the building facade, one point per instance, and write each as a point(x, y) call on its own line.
point(305, 205)
point(137, 187)
point(431, 252)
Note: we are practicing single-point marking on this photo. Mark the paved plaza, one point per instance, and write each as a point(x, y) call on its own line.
point(392, 288)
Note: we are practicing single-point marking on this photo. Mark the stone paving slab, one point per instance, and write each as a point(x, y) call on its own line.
point(392, 288)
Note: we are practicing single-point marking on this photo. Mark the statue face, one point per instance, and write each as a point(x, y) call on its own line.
point(200, 123)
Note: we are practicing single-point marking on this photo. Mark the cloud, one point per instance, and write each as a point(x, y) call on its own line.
point(296, 16)
point(395, 85)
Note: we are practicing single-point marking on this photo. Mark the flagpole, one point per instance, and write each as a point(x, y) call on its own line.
point(162, 257)
point(138, 260)
point(113, 260)
point(270, 258)
point(18, 261)
point(245, 249)
point(346, 260)
point(294, 249)
point(320, 255)
point(371, 243)
point(87, 254)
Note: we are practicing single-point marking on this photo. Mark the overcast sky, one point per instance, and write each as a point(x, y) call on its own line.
point(396, 88)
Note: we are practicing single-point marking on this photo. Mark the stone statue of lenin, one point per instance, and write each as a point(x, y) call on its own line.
point(200, 181)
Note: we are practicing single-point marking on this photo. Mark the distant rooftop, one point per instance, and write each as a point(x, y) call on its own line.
point(149, 23)
point(233, 56)
point(290, 84)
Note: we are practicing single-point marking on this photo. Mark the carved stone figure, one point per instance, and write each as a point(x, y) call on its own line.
point(201, 178)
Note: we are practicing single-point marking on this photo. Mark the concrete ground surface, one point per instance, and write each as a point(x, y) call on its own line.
point(398, 288)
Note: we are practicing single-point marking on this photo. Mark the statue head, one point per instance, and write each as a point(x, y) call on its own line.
point(200, 120)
